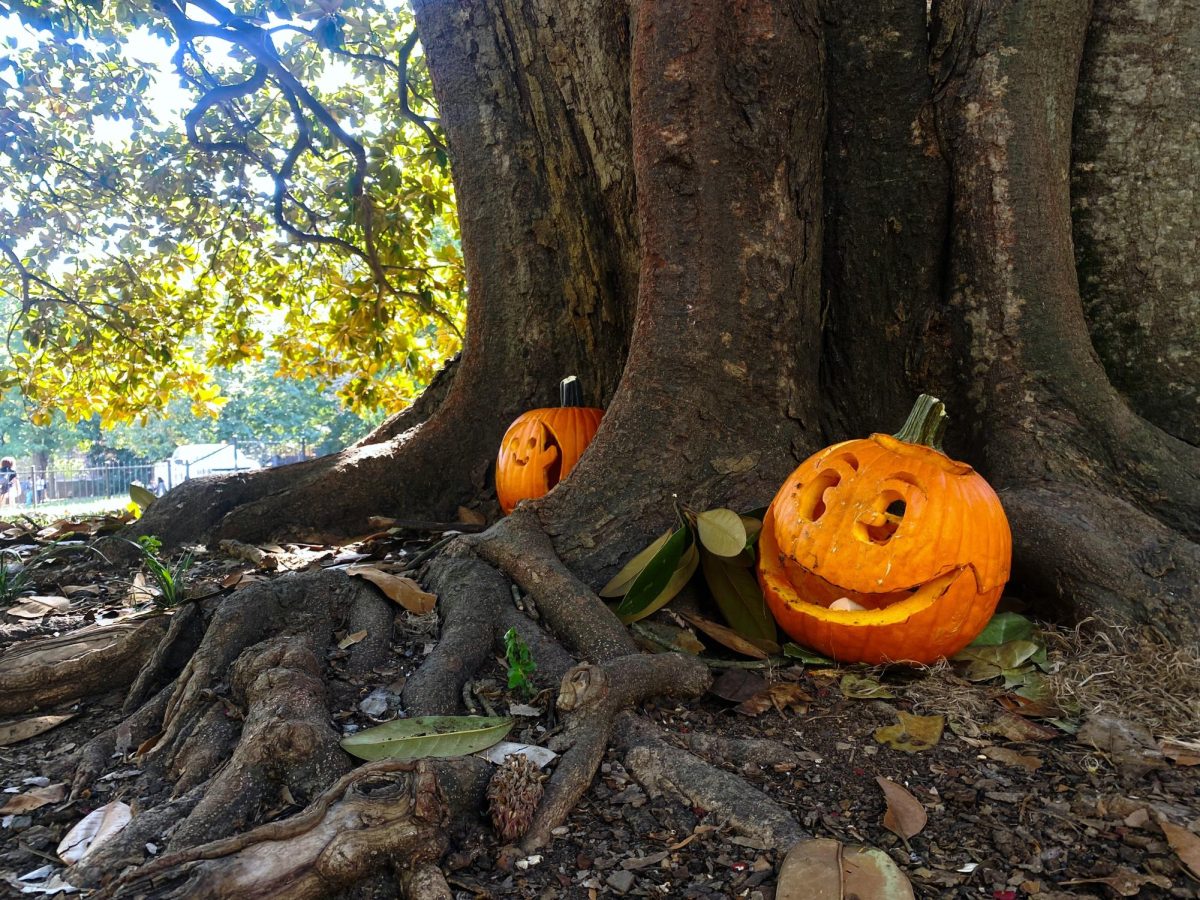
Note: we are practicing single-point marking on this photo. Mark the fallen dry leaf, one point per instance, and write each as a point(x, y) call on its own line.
point(1126, 882)
point(1185, 844)
point(36, 607)
point(471, 516)
point(736, 685)
point(824, 869)
point(139, 592)
point(1023, 706)
point(23, 729)
point(34, 799)
point(863, 687)
point(92, 830)
point(912, 733)
point(403, 590)
point(1182, 753)
point(905, 816)
point(779, 696)
point(71, 590)
point(727, 637)
point(1020, 729)
point(1011, 757)
point(351, 639)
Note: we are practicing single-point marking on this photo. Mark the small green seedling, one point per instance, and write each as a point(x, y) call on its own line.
point(169, 579)
point(520, 663)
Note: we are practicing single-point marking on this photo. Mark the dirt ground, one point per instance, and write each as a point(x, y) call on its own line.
point(1017, 806)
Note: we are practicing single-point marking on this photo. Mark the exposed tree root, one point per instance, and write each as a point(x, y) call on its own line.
point(384, 811)
point(53, 670)
point(660, 766)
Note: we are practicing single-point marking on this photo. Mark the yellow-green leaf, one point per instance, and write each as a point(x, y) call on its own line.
point(913, 733)
point(141, 496)
point(721, 531)
point(427, 736)
point(655, 575)
point(623, 580)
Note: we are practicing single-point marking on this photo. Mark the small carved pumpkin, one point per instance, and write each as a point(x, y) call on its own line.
point(542, 446)
point(885, 549)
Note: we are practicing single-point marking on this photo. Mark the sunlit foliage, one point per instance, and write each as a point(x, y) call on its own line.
point(309, 218)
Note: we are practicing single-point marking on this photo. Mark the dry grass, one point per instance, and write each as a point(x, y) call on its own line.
point(1133, 674)
point(941, 692)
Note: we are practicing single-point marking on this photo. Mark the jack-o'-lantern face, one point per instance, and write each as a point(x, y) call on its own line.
point(884, 549)
point(540, 449)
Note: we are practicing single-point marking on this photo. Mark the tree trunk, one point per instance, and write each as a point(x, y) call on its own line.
point(752, 227)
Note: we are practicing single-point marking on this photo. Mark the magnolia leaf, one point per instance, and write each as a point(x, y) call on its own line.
point(738, 596)
point(756, 648)
point(721, 531)
point(623, 580)
point(809, 657)
point(1185, 844)
point(426, 736)
point(862, 687)
point(141, 496)
point(36, 607)
point(655, 575)
point(1002, 628)
point(351, 639)
point(403, 590)
point(93, 830)
point(913, 733)
point(824, 869)
point(905, 816)
point(23, 729)
point(34, 799)
point(682, 574)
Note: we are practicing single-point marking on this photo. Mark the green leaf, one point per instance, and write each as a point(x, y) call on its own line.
point(426, 736)
point(682, 574)
point(986, 663)
point(721, 531)
point(809, 657)
point(861, 687)
point(654, 576)
point(738, 596)
point(1004, 627)
point(141, 496)
point(621, 582)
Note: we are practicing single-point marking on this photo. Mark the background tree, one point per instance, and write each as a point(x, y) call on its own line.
point(751, 228)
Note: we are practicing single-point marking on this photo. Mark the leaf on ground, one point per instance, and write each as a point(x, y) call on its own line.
point(34, 799)
point(539, 756)
point(912, 733)
point(140, 592)
point(721, 531)
point(670, 637)
point(1125, 882)
point(471, 516)
point(1021, 705)
point(905, 816)
point(736, 685)
point(93, 830)
point(1182, 753)
point(753, 526)
point(402, 590)
point(1011, 757)
point(738, 596)
point(39, 606)
point(781, 696)
point(986, 663)
point(351, 639)
point(23, 729)
point(756, 648)
point(664, 576)
point(425, 736)
point(70, 590)
point(824, 869)
point(863, 687)
point(1185, 844)
point(1002, 628)
point(804, 655)
point(1125, 741)
point(620, 583)
point(1020, 729)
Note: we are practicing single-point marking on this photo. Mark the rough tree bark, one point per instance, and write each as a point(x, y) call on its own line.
point(751, 226)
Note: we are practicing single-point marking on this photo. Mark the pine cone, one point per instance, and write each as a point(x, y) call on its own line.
point(513, 795)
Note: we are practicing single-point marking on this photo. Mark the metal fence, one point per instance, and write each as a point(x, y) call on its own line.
point(39, 487)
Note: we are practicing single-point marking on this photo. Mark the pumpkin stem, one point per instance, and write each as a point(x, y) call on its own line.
point(926, 423)
point(570, 392)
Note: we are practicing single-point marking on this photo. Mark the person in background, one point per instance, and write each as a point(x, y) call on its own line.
point(39, 488)
point(160, 487)
point(9, 485)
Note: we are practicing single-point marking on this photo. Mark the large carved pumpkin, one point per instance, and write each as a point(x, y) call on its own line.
point(542, 446)
point(910, 548)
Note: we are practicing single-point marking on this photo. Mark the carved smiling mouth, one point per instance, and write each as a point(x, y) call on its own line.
point(875, 609)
